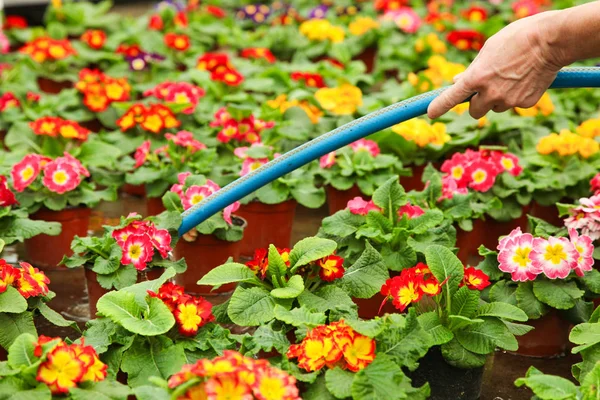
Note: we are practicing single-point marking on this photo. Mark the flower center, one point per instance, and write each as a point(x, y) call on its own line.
point(521, 256)
point(457, 172)
point(479, 176)
point(555, 254)
point(197, 198)
point(27, 173)
point(60, 177)
point(135, 251)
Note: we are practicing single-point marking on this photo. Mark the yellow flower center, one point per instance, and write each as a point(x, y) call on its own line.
point(27, 173)
point(181, 98)
point(135, 251)
point(60, 177)
point(457, 172)
point(272, 388)
point(507, 163)
point(188, 317)
point(521, 256)
point(68, 131)
point(555, 254)
point(197, 198)
point(479, 176)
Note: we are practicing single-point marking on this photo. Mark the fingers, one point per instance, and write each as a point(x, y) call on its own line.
point(457, 77)
point(449, 98)
point(479, 106)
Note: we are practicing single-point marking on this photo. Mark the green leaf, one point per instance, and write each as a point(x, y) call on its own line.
point(370, 327)
point(39, 392)
point(339, 382)
point(121, 278)
point(20, 353)
point(501, 310)
point(267, 338)
point(229, 273)
point(105, 266)
point(277, 268)
point(140, 290)
point(318, 390)
point(293, 288)
point(299, 317)
point(548, 387)
point(365, 278)
point(527, 301)
point(11, 301)
point(590, 387)
point(389, 197)
point(456, 355)
point(151, 357)
point(405, 340)
point(122, 308)
point(464, 302)
point(55, 318)
point(251, 307)
point(151, 393)
point(14, 325)
point(103, 390)
point(504, 292)
point(445, 265)
point(557, 294)
point(591, 281)
point(311, 249)
point(342, 223)
point(585, 335)
point(483, 338)
point(380, 380)
point(326, 298)
point(430, 321)
point(427, 221)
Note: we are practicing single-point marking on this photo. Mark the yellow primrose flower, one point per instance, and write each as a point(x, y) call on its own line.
point(342, 100)
point(431, 41)
point(589, 128)
point(281, 103)
point(440, 72)
point(321, 30)
point(543, 107)
point(460, 109)
point(422, 133)
point(567, 143)
point(362, 25)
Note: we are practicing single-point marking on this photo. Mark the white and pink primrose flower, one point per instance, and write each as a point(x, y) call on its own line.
point(365, 145)
point(585, 249)
point(555, 257)
point(515, 256)
point(359, 206)
point(328, 160)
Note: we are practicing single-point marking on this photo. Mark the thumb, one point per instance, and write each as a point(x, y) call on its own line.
point(449, 98)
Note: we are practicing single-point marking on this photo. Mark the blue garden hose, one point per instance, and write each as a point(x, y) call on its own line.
point(342, 136)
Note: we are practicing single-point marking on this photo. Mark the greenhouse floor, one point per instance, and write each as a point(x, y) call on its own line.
point(71, 301)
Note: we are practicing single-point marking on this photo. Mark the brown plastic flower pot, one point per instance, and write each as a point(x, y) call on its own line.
point(338, 199)
point(95, 291)
point(549, 338)
point(368, 57)
point(134, 190)
point(267, 224)
point(203, 255)
point(50, 86)
point(447, 382)
point(414, 182)
point(46, 252)
point(154, 206)
point(485, 233)
point(547, 213)
point(369, 308)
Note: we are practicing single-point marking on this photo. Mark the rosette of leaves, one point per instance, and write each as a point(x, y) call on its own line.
point(136, 334)
point(15, 226)
point(400, 240)
point(74, 17)
point(160, 170)
point(17, 314)
point(103, 255)
point(18, 375)
point(571, 296)
point(466, 328)
point(294, 295)
point(360, 168)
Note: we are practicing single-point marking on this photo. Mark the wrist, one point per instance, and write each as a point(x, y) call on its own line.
point(553, 39)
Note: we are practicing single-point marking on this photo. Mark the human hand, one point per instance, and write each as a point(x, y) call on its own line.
point(513, 69)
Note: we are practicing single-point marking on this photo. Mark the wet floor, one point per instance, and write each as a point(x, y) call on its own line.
point(71, 301)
